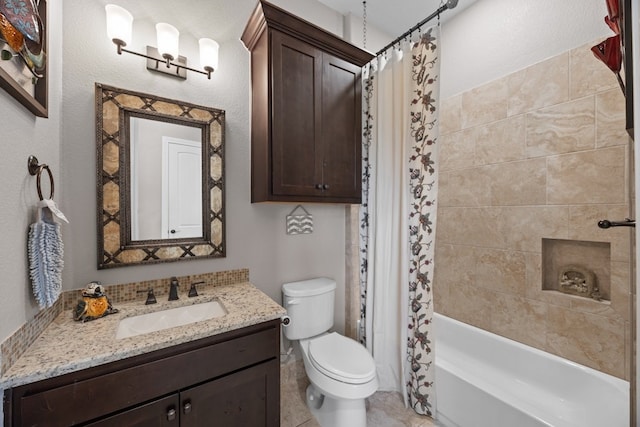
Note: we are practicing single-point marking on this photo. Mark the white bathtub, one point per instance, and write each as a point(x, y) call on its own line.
point(484, 380)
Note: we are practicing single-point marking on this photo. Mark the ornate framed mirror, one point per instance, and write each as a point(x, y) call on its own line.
point(160, 179)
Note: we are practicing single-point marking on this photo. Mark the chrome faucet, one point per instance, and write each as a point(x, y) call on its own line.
point(173, 289)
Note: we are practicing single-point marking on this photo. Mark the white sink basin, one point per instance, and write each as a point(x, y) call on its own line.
point(172, 317)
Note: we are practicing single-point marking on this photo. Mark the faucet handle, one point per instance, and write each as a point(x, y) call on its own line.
point(192, 291)
point(151, 298)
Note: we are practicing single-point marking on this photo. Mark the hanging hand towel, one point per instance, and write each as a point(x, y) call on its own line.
point(45, 255)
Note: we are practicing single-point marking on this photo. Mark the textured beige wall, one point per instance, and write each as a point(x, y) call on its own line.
point(540, 153)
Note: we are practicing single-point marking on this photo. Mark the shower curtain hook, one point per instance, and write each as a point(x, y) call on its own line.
point(442, 3)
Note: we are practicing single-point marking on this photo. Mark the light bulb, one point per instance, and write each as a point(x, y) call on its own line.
point(119, 24)
point(168, 40)
point(209, 54)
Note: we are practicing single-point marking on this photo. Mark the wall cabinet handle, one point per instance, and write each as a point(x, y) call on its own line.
point(186, 408)
point(171, 414)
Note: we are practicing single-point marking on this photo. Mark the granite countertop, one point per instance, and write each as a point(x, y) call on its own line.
point(68, 346)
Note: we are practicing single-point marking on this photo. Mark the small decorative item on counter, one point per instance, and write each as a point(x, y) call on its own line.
point(94, 304)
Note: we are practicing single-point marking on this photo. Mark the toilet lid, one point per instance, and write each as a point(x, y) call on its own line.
point(342, 359)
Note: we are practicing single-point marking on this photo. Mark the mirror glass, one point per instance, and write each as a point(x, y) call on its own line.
point(160, 190)
point(166, 183)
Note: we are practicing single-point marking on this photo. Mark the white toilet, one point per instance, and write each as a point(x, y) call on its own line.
point(341, 370)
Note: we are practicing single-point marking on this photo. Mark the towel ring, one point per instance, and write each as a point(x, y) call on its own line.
point(36, 168)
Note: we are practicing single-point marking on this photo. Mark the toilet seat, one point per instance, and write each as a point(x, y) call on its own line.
point(342, 359)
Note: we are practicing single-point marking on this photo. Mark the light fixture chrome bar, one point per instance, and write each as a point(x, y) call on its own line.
point(179, 70)
point(155, 62)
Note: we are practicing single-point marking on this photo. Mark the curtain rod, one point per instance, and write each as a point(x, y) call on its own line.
point(450, 4)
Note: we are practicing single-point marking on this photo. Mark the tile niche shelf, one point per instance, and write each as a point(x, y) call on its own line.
point(578, 268)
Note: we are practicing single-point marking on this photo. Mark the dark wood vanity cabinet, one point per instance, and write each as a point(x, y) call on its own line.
point(306, 127)
point(232, 379)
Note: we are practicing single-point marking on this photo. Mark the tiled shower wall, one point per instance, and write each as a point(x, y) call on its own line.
point(541, 153)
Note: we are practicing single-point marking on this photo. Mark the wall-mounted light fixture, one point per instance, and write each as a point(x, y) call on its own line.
point(165, 57)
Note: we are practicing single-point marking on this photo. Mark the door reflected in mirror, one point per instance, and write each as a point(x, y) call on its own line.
point(166, 180)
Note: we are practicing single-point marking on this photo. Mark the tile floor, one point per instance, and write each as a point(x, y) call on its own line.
point(384, 409)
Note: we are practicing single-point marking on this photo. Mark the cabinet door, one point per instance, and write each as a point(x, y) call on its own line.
point(248, 398)
point(341, 130)
point(296, 156)
point(159, 413)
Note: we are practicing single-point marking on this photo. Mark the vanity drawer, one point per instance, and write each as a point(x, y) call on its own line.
point(90, 394)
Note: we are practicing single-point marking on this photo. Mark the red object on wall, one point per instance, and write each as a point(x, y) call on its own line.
point(610, 50)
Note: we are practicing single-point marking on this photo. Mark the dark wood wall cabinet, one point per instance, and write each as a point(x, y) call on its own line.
point(231, 379)
point(306, 125)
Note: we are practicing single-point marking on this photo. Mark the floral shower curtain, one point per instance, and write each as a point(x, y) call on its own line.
point(398, 217)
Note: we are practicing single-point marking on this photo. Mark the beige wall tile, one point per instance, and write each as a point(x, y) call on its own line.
point(611, 119)
point(455, 264)
point(520, 319)
point(485, 104)
point(457, 151)
point(534, 284)
point(562, 128)
point(466, 187)
point(565, 117)
point(588, 74)
point(584, 305)
point(500, 141)
point(451, 115)
point(472, 305)
point(501, 271)
point(525, 227)
point(540, 85)
point(588, 177)
point(441, 278)
point(621, 289)
point(471, 226)
point(441, 299)
point(518, 183)
point(444, 191)
point(583, 222)
point(594, 341)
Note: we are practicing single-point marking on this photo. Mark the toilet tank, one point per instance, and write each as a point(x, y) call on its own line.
point(309, 305)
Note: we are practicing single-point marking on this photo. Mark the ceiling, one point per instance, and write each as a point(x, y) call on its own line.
point(395, 16)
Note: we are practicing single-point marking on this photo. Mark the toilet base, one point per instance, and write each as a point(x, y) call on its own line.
point(331, 412)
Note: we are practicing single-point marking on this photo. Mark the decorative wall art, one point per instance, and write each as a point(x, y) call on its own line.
point(23, 52)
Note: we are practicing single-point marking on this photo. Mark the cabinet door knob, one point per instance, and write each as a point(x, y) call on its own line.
point(325, 187)
point(318, 186)
point(186, 408)
point(171, 414)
